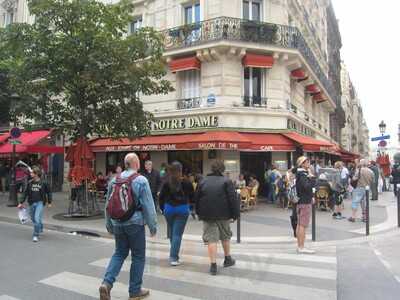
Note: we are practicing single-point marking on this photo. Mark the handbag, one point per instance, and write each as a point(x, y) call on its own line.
point(354, 182)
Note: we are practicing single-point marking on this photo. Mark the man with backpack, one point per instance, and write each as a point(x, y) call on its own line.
point(129, 207)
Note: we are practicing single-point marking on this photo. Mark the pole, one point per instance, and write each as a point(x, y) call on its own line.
point(367, 210)
point(12, 200)
point(313, 225)
point(238, 233)
point(398, 209)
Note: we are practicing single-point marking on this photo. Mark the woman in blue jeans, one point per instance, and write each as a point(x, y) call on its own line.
point(176, 196)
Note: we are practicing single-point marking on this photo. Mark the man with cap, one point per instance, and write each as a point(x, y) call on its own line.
point(305, 183)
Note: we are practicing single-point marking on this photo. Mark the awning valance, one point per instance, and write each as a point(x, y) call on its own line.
point(310, 144)
point(184, 64)
point(319, 98)
point(218, 140)
point(298, 74)
point(312, 89)
point(258, 61)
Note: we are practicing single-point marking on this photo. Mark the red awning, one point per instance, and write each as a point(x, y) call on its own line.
point(4, 137)
point(298, 74)
point(258, 61)
point(269, 142)
point(45, 149)
point(312, 89)
point(184, 64)
point(310, 144)
point(221, 140)
point(319, 97)
point(27, 139)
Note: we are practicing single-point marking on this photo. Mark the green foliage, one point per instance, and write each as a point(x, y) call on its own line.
point(77, 69)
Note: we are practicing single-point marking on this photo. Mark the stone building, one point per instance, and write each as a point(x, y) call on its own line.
point(256, 82)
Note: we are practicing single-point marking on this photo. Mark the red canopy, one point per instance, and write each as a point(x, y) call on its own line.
point(269, 142)
point(29, 144)
point(310, 144)
point(298, 74)
point(258, 61)
point(4, 137)
point(184, 64)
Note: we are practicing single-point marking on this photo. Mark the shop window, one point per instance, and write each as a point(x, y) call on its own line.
point(253, 86)
point(135, 25)
point(252, 10)
point(192, 161)
point(190, 84)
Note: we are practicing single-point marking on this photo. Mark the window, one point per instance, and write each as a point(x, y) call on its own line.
point(192, 13)
point(135, 25)
point(8, 18)
point(190, 84)
point(253, 78)
point(252, 10)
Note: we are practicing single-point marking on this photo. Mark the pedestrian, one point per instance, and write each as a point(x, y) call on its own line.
point(338, 190)
point(153, 176)
point(305, 182)
point(362, 178)
point(176, 195)
point(130, 234)
point(217, 206)
point(268, 188)
point(374, 188)
point(3, 176)
point(38, 194)
point(395, 174)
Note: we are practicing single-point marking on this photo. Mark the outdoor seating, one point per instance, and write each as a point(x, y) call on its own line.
point(253, 196)
point(322, 197)
point(244, 199)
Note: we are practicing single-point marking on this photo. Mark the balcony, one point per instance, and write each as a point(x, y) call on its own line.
point(233, 29)
point(255, 101)
point(190, 103)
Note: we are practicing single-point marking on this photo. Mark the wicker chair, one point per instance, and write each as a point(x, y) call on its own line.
point(244, 199)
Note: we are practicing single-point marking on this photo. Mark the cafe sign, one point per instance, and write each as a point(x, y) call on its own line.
point(192, 122)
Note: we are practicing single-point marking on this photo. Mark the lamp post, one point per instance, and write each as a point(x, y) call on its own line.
point(15, 133)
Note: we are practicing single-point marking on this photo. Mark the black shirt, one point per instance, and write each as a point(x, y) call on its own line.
point(37, 191)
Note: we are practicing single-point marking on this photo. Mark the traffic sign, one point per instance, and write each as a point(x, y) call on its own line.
point(15, 142)
point(380, 138)
point(15, 132)
point(382, 144)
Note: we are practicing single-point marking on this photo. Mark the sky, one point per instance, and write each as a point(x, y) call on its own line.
point(371, 51)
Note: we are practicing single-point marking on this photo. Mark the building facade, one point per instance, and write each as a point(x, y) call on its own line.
point(355, 134)
point(256, 82)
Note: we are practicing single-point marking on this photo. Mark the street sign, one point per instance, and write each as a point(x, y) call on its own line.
point(15, 132)
point(382, 144)
point(15, 142)
point(380, 138)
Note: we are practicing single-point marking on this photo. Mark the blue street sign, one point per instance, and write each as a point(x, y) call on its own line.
point(15, 132)
point(380, 138)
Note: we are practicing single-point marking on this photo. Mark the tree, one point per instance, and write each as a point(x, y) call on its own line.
point(77, 69)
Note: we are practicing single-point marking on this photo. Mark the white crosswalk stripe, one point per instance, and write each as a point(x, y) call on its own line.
point(88, 286)
point(6, 297)
point(307, 277)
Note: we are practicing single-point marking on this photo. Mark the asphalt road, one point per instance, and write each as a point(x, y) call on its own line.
point(63, 266)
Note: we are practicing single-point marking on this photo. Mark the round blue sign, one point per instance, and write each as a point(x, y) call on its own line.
point(211, 100)
point(15, 132)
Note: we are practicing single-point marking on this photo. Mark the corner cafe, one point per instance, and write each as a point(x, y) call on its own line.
point(196, 141)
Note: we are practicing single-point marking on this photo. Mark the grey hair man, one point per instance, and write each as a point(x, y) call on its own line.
point(362, 179)
point(153, 176)
point(130, 235)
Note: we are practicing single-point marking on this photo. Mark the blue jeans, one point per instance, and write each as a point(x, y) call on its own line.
point(36, 212)
point(128, 237)
point(176, 223)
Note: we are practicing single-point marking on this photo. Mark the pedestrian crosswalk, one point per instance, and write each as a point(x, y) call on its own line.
point(257, 275)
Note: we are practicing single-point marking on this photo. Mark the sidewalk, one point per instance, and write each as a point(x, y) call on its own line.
point(264, 224)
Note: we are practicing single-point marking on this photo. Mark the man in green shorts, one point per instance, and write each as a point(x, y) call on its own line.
point(217, 206)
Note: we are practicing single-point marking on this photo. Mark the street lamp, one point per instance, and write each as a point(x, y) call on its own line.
point(382, 127)
point(13, 195)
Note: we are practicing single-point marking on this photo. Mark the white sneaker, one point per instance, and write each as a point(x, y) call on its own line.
point(35, 239)
point(175, 263)
point(305, 251)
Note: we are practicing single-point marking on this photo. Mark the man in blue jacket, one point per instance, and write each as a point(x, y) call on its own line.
point(130, 235)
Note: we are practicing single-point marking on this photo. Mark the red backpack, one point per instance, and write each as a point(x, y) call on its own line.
point(121, 203)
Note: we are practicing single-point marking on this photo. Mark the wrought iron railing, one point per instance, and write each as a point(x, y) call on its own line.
point(234, 29)
point(190, 103)
point(255, 101)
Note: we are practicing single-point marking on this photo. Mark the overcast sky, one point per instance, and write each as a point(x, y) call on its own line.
point(371, 50)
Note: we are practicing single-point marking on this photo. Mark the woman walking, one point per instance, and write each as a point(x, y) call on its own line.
point(176, 196)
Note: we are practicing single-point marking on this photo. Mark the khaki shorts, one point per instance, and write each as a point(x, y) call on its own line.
point(303, 214)
point(214, 231)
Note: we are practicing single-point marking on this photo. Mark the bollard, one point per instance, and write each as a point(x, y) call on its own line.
point(398, 209)
point(238, 230)
point(313, 230)
point(367, 210)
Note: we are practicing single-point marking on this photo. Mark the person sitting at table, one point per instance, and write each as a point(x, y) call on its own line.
point(240, 182)
point(253, 182)
point(101, 183)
